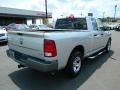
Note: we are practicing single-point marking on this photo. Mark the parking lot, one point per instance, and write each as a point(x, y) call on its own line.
point(101, 73)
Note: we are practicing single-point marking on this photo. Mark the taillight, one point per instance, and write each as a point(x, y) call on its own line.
point(49, 48)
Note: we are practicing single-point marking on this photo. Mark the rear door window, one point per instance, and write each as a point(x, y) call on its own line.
point(75, 23)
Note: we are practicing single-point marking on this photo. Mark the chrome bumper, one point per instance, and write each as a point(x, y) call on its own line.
point(36, 63)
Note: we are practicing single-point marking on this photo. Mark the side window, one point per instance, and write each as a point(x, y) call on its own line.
point(94, 23)
point(100, 25)
point(80, 24)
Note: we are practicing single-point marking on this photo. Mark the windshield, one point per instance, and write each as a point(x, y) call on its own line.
point(75, 23)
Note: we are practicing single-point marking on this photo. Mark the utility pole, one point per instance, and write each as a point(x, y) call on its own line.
point(103, 19)
point(81, 14)
point(115, 12)
point(46, 8)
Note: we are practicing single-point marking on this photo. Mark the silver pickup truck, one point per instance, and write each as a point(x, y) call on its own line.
point(64, 47)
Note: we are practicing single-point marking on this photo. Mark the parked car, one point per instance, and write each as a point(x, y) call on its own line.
point(111, 27)
point(39, 27)
point(64, 47)
point(3, 35)
point(34, 27)
point(17, 27)
point(117, 27)
point(43, 26)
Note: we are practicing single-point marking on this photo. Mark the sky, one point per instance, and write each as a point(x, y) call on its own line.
point(63, 8)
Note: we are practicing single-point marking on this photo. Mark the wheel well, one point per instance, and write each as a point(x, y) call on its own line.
point(78, 48)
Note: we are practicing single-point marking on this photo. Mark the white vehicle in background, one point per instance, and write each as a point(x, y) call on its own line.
point(117, 27)
point(111, 27)
point(3, 35)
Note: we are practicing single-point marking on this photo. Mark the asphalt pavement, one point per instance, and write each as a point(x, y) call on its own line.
point(101, 73)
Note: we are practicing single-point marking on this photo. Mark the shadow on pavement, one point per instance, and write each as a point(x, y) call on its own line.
point(31, 80)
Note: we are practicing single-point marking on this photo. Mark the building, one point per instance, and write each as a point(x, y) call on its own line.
point(12, 15)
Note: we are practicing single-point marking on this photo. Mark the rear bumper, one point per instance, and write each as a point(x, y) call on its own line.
point(36, 63)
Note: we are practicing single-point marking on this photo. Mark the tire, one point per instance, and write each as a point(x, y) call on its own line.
point(74, 64)
point(108, 47)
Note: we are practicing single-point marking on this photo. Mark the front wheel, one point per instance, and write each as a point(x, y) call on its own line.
point(74, 63)
point(108, 46)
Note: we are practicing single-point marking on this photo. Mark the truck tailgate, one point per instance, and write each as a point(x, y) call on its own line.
point(30, 43)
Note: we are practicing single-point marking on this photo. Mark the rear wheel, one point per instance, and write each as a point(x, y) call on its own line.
point(74, 64)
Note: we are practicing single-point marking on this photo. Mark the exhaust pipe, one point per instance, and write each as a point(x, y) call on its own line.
point(21, 66)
